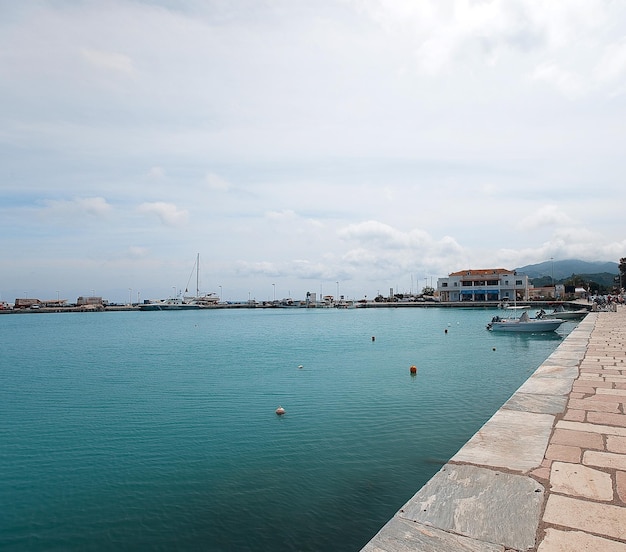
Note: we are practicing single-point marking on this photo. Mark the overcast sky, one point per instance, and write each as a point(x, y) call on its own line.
point(304, 145)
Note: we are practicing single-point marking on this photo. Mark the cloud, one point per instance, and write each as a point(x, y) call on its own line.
point(93, 206)
point(168, 213)
point(110, 61)
point(137, 251)
point(568, 83)
point(545, 216)
point(286, 215)
point(611, 67)
point(156, 173)
point(216, 183)
point(377, 234)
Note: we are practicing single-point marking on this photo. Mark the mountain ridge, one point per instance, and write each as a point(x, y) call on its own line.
point(560, 270)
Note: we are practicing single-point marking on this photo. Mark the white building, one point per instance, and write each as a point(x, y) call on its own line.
point(491, 284)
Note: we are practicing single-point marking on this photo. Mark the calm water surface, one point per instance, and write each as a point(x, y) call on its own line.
point(157, 430)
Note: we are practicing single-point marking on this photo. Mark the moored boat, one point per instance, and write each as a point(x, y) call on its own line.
point(524, 324)
point(563, 314)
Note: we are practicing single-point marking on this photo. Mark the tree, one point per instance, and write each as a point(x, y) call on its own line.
point(622, 271)
point(429, 291)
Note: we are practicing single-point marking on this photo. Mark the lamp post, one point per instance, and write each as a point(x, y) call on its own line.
point(274, 287)
point(220, 293)
point(337, 291)
point(130, 297)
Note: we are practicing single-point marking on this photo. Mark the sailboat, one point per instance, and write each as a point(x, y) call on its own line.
point(200, 301)
point(185, 303)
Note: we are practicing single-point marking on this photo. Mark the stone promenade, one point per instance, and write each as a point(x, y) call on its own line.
point(547, 473)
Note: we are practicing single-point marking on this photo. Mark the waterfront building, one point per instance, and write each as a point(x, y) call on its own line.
point(90, 301)
point(491, 284)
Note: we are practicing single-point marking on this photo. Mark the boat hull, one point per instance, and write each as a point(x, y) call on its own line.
point(165, 306)
point(528, 326)
point(567, 315)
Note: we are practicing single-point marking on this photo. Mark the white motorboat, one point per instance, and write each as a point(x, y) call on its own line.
point(563, 314)
point(524, 324)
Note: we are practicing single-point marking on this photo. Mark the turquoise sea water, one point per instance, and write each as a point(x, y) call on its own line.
point(157, 430)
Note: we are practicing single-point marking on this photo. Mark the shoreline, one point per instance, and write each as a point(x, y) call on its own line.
point(543, 473)
point(533, 305)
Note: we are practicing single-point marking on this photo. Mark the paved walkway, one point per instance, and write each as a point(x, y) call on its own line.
point(547, 473)
point(585, 461)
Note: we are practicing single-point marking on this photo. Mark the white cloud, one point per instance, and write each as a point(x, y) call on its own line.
point(286, 215)
point(61, 208)
point(138, 251)
point(111, 61)
point(544, 216)
point(611, 67)
point(217, 183)
point(156, 173)
point(168, 213)
point(566, 82)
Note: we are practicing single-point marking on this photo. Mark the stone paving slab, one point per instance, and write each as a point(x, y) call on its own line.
point(586, 515)
point(541, 404)
point(480, 503)
point(547, 386)
point(402, 535)
point(570, 541)
point(513, 440)
point(581, 481)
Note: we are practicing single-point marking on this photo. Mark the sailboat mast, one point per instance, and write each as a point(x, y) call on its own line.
point(198, 276)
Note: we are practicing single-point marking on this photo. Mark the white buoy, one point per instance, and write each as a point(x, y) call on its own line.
point(280, 411)
point(300, 366)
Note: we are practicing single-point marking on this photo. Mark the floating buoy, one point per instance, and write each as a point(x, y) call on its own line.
point(373, 338)
point(280, 411)
point(413, 369)
point(493, 349)
point(300, 366)
point(445, 331)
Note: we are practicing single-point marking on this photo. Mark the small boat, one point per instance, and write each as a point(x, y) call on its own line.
point(506, 306)
point(523, 324)
point(563, 314)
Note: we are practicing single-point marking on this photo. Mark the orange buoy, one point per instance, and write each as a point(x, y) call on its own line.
point(413, 369)
point(280, 411)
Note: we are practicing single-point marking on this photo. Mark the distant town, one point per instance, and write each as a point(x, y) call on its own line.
point(479, 288)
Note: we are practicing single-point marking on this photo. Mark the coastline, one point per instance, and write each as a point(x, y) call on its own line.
point(546, 473)
point(534, 305)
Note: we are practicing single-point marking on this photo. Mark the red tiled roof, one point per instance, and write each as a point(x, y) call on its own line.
point(481, 272)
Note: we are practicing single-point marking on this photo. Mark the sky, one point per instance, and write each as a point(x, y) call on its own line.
point(335, 146)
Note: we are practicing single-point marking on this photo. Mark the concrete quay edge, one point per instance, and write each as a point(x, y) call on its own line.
point(546, 473)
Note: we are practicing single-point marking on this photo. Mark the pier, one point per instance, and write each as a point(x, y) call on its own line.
point(547, 473)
